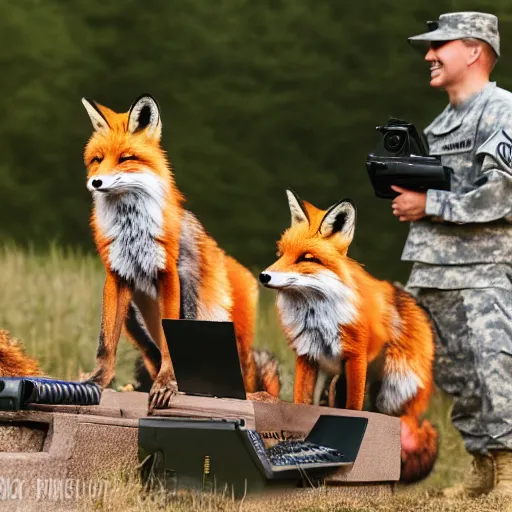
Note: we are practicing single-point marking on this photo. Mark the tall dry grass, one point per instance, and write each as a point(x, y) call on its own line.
point(126, 493)
point(52, 303)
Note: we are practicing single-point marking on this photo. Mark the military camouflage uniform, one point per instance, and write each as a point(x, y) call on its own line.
point(462, 272)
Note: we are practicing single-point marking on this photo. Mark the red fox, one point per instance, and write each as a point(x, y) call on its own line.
point(14, 362)
point(159, 260)
point(334, 312)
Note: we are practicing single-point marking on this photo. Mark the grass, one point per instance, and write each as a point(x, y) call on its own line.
point(52, 303)
point(126, 494)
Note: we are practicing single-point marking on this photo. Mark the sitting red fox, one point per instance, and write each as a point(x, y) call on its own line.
point(159, 261)
point(333, 311)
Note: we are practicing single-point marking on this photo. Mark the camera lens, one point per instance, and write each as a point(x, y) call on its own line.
point(394, 141)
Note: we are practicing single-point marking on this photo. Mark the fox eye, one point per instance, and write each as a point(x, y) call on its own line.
point(308, 257)
point(127, 157)
point(98, 159)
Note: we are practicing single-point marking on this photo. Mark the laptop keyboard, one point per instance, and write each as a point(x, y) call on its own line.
point(290, 453)
point(296, 454)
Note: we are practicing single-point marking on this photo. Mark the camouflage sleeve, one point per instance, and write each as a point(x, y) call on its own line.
point(491, 199)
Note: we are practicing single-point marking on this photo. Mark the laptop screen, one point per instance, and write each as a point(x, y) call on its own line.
point(344, 433)
point(205, 358)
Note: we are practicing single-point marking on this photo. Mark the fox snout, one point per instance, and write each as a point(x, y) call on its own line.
point(101, 183)
point(277, 279)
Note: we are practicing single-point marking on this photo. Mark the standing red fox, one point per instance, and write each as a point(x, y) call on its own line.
point(159, 261)
point(333, 312)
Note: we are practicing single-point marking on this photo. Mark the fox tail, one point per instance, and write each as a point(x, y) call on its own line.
point(14, 361)
point(419, 448)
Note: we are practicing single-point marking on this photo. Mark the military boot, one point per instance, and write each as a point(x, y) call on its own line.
point(502, 473)
point(480, 479)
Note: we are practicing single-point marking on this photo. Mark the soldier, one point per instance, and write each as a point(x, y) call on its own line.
point(461, 243)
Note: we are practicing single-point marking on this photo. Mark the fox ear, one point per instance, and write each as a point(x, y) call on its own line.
point(97, 118)
point(297, 209)
point(144, 114)
point(340, 218)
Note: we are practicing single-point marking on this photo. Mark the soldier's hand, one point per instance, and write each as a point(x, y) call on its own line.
point(409, 205)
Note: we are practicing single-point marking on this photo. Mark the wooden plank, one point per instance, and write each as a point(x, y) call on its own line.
point(26, 416)
point(207, 407)
point(96, 410)
point(114, 404)
point(102, 420)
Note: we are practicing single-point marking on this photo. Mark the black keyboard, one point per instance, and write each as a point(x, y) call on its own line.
point(293, 453)
point(296, 454)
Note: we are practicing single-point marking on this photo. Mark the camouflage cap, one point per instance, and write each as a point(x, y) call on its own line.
point(460, 25)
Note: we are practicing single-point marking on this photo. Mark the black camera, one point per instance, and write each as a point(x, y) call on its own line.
point(394, 141)
point(401, 158)
point(402, 139)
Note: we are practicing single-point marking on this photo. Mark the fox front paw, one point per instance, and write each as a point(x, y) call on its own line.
point(162, 392)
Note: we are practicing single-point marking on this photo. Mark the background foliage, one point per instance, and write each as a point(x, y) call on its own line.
point(256, 96)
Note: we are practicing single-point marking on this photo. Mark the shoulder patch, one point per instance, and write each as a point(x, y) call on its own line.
point(499, 147)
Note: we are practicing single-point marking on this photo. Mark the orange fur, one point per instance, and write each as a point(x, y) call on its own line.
point(244, 291)
point(14, 362)
point(378, 319)
point(226, 290)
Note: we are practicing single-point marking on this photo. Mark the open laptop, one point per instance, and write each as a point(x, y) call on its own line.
point(334, 441)
point(205, 358)
point(237, 455)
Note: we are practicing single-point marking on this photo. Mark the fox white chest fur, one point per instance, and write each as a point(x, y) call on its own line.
point(313, 310)
point(132, 220)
